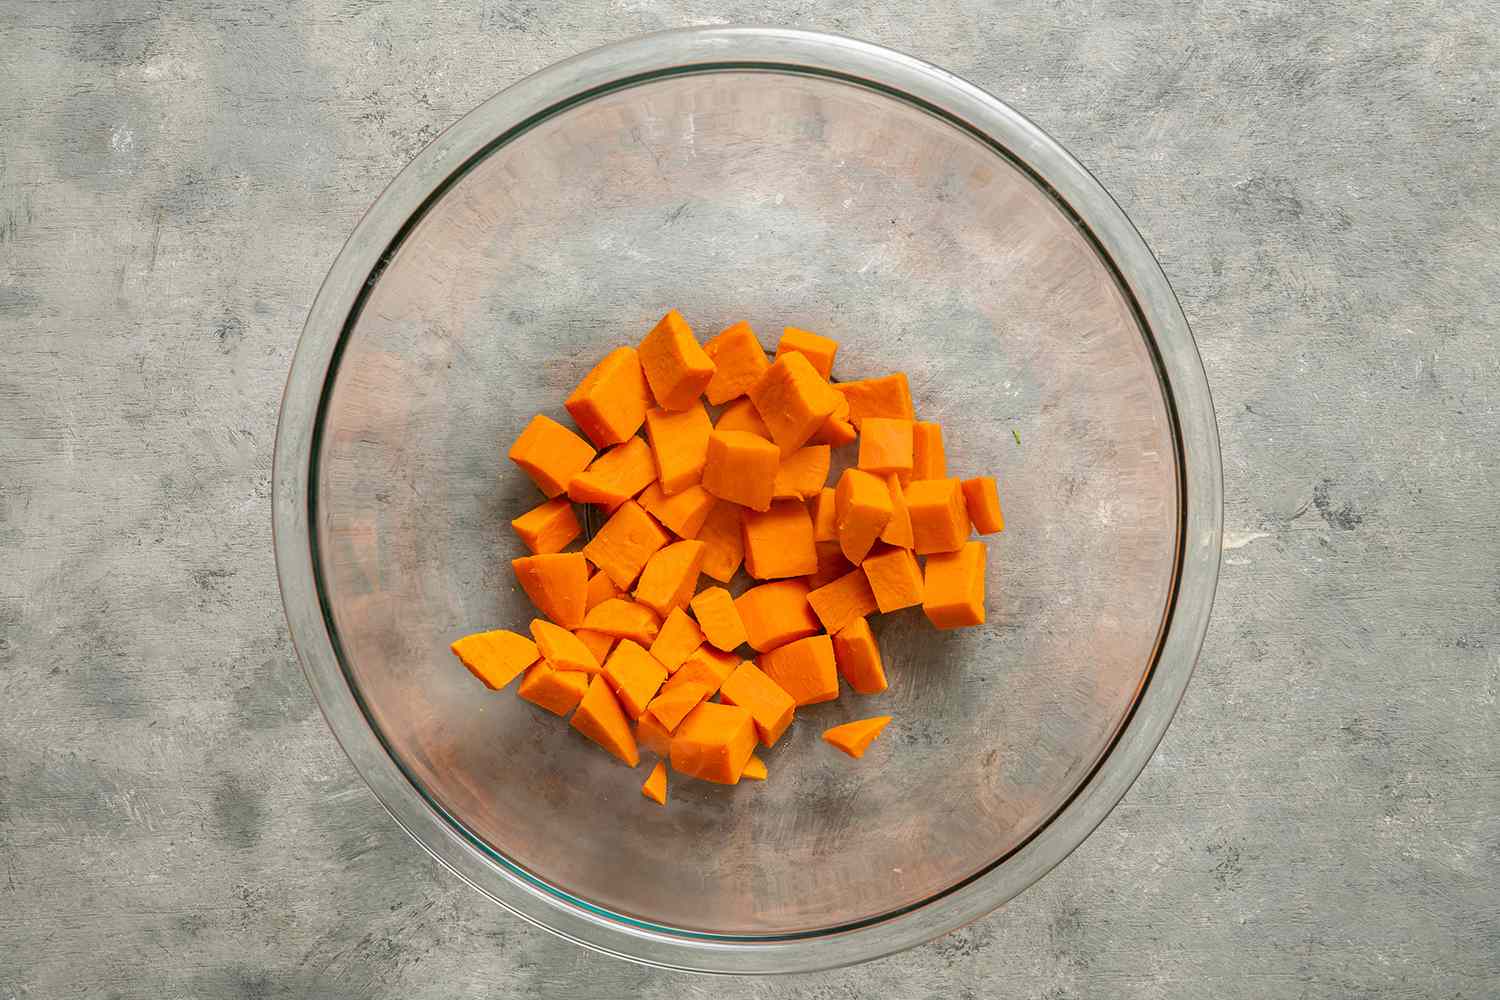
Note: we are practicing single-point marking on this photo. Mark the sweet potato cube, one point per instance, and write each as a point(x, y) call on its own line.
point(836, 430)
point(776, 613)
point(825, 523)
point(802, 473)
point(770, 706)
point(706, 666)
point(635, 676)
point(550, 454)
point(831, 565)
point(741, 415)
point(676, 367)
point(854, 738)
point(548, 528)
point(954, 588)
point(626, 542)
point(895, 578)
point(714, 743)
point(598, 643)
point(804, 669)
point(600, 718)
point(779, 541)
point(680, 638)
point(655, 786)
point(610, 403)
point(927, 458)
point(652, 735)
point(858, 657)
point(615, 476)
point(601, 589)
point(670, 706)
point(561, 648)
point(723, 539)
point(683, 513)
point(838, 603)
point(887, 396)
point(793, 400)
point(739, 362)
point(817, 349)
point(624, 619)
point(983, 503)
point(862, 509)
point(495, 657)
point(671, 577)
point(898, 528)
point(939, 516)
point(755, 769)
point(555, 690)
point(741, 468)
point(557, 583)
point(718, 618)
point(679, 445)
point(885, 446)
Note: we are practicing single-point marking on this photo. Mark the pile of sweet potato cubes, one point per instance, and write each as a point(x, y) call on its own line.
point(631, 646)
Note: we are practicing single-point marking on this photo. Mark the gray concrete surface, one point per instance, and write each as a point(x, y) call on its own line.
point(1320, 182)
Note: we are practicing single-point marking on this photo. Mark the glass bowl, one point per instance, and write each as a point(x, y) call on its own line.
point(785, 178)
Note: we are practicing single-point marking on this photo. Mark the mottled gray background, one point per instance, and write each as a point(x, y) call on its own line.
point(1320, 183)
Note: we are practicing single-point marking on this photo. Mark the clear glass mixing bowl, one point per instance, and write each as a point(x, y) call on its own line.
point(780, 177)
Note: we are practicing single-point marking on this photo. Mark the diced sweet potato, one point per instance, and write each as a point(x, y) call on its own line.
point(669, 707)
point(548, 528)
point(626, 542)
point(741, 468)
point(898, 528)
point(634, 675)
point(776, 613)
point(683, 513)
point(831, 565)
point(557, 584)
point(927, 458)
point(983, 503)
point(854, 738)
point(718, 618)
point(600, 718)
point(885, 446)
point(624, 619)
point(939, 516)
point(610, 403)
point(741, 415)
point(561, 648)
point(615, 476)
point(887, 396)
point(862, 509)
point(679, 445)
point(895, 578)
point(739, 362)
point(805, 669)
point(836, 430)
point(598, 643)
point(768, 704)
point(655, 786)
point(824, 515)
point(802, 473)
point(842, 601)
point(550, 454)
point(817, 349)
point(858, 658)
point(671, 576)
point(755, 769)
point(652, 735)
point(679, 638)
point(793, 400)
point(676, 368)
point(714, 743)
point(707, 666)
point(779, 541)
point(601, 589)
point(954, 587)
point(558, 691)
point(496, 657)
point(723, 540)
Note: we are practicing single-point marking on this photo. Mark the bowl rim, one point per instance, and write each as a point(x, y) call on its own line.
point(717, 49)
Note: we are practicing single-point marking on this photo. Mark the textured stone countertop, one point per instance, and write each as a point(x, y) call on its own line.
point(1320, 182)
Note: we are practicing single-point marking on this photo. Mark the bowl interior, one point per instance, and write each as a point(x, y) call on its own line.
point(782, 199)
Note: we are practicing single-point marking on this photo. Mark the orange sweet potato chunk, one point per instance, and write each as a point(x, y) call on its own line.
point(817, 349)
point(831, 565)
point(741, 468)
point(776, 613)
point(804, 669)
point(655, 786)
point(496, 657)
point(598, 643)
point(845, 600)
point(679, 445)
point(624, 619)
point(927, 458)
point(836, 430)
point(723, 540)
point(600, 718)
point(714, 743)
point(652, 735)
point(626, 542)
point(550, 454)
point(548, 528)
point(634, 675)
point(983, 502)
point(669, 707)
point(858, 658)
point(740, 361)
point(939, 516)
point(801, 474)
point(741, 415)
point(601, 589)
point(887, 396)
point(825, 524)
point(680, 638)
point(779, 541)
point(557, 584)
point(854, 738)
point(718, 618)
point(610, 403)
point(615, 476)
point(683, 513)
point(671, 576)
point(676, 368)
point(895, 578)
point(707, 666)
point(898, 528)
point(793, 400)
point(885, 446)
point(561, 648)
point(954, 588)
point(862, 509)
point(555, 690)
point(769, 705)
point(755, 769)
